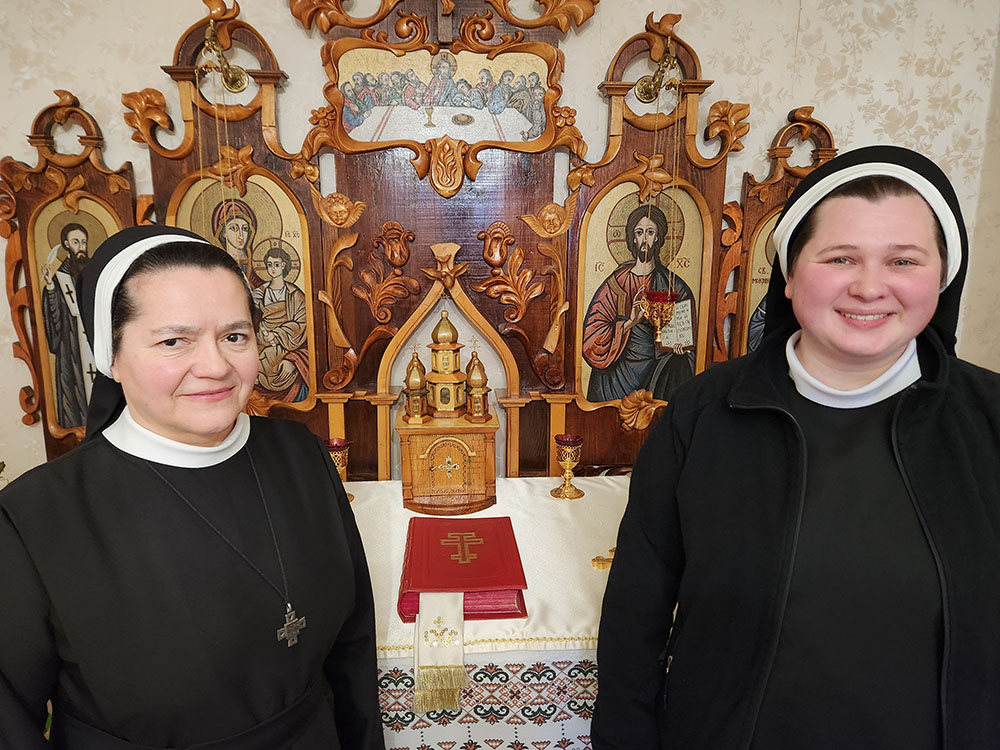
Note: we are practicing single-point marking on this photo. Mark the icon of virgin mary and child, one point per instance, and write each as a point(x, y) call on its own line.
point(282, 332)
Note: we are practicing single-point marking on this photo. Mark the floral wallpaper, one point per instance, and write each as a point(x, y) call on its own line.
point(918, 73)
point(978, 339)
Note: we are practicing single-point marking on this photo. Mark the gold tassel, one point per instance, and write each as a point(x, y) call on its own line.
point(439, 688)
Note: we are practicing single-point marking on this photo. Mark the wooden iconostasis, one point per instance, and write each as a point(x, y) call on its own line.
point(443, 118)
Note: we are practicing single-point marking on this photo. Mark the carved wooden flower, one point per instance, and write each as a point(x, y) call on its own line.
point(395, 243)
point(637, 410)
point(324, 117)
point(565, 116)
point(515, 288)
point(234, 166)
point(148, 106)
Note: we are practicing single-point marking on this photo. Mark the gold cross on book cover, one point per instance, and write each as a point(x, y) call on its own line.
point(477, 556)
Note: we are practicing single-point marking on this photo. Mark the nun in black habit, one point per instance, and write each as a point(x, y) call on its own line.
point(810, 555)
point(187, 577)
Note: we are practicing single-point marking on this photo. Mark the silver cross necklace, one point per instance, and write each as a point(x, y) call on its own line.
point(293, 624)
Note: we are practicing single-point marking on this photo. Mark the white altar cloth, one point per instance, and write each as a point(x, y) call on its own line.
point(557, 540)
point(532, 682)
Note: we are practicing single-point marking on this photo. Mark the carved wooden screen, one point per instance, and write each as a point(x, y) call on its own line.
point(442, 118)
point(653, 173)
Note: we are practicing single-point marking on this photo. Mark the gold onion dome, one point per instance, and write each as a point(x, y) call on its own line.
point(475, 372)
point(415, 374)
point(444, 332)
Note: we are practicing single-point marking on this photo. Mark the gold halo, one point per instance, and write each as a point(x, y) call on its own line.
point(447, 56)
point(260, 252)
point(618, 243)
point(96, 231)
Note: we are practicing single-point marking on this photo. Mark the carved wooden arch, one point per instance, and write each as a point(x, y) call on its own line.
point(148, 106)
point(654, 42)
point(25, 192)
point(654, 151)
point(752, 220)
point(445, 278)
point(446, 283)
point(726, 119)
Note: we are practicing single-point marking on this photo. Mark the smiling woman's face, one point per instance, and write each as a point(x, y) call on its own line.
point(865, 284)
point(187, 360)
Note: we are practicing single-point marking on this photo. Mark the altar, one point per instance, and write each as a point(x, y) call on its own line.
point(531, 680)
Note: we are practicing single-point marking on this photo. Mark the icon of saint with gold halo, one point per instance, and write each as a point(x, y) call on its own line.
point(619, 343)
point(282, 332)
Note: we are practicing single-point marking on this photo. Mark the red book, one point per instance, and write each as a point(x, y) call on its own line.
point(476, 555)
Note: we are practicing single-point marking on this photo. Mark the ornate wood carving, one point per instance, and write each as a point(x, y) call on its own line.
point(446, 277)
point(441, 173)
point(446, 160)
point(443, 159)
point(234, 167)
point(327, 14)
point(42, 209)
point(802, 127)
point(381, 287)
point(337, 209)
point(637, 410)
point(332, 297)
point(552, 223)
point(147, 112)
point(513, 286)
point(19, 305)
point(726, 302)
point(395, 243)
point(560, 13)
point(447, 271)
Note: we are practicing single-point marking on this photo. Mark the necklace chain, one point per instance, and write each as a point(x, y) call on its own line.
point(282, 592)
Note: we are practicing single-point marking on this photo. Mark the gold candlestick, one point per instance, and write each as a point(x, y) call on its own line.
point(658, 308)
point(338, 448)
point(568, 449)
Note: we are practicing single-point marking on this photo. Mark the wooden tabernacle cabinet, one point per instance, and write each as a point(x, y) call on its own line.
point(448, 465)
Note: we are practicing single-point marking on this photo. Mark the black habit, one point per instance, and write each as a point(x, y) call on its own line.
point(126, 609)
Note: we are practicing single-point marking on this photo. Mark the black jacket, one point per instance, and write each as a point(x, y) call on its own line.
point(710, 529)
point(708, 536)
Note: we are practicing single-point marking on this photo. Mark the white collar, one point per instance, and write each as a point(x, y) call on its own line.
point(904, 372)
point(129, 436)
